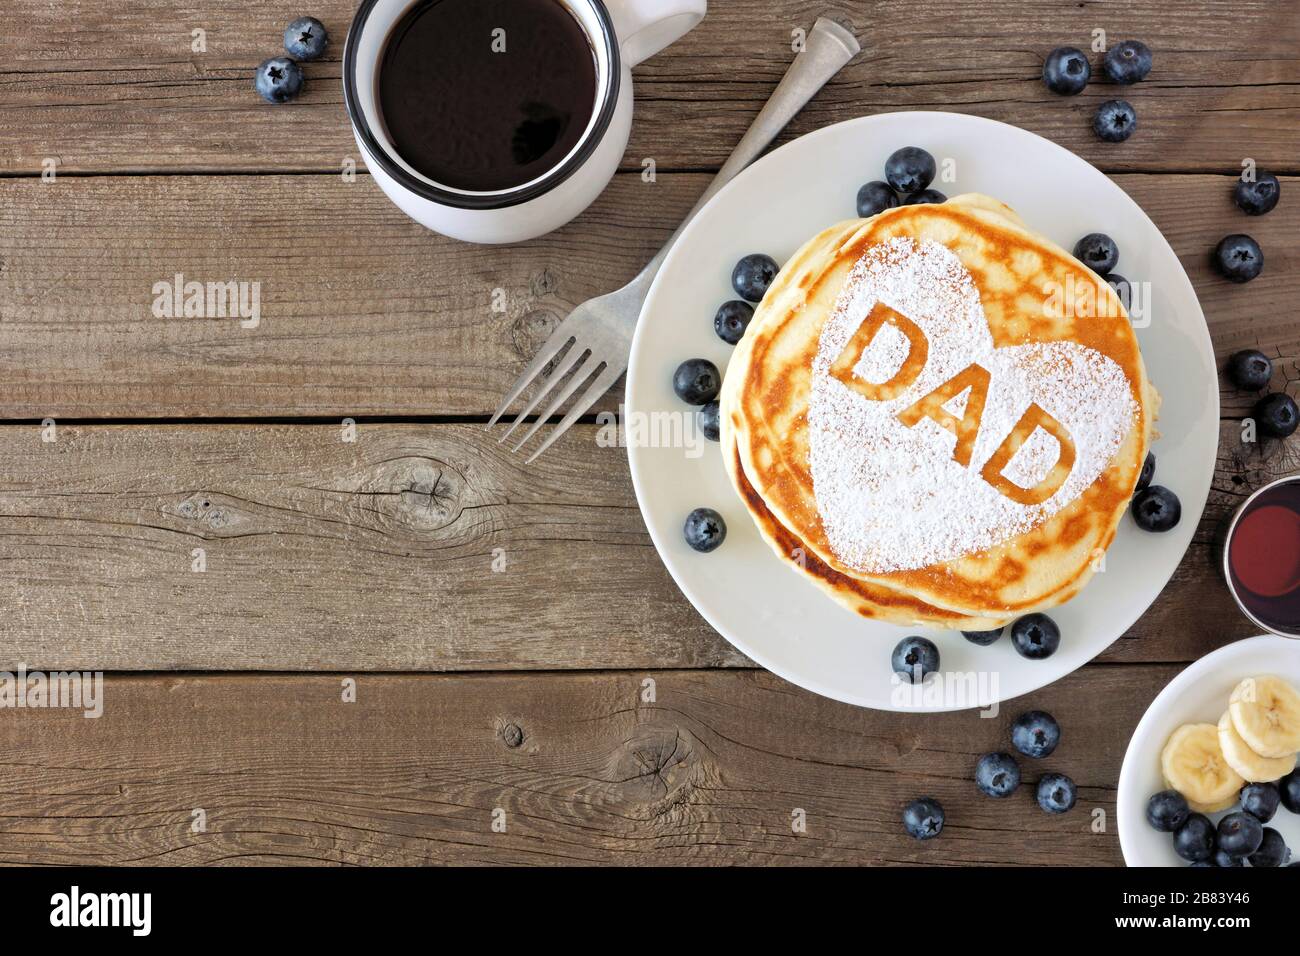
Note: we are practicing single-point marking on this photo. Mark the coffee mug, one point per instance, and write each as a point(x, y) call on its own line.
point(621, 33)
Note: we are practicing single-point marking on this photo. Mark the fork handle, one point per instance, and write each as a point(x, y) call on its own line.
point(828, 47)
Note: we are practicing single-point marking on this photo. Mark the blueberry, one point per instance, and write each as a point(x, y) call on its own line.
point(1066, 70)
point(914, 658)
point(697, 381)
point(1203, 863)
point(910, 169)
point(1035, 636)
point(1167, 811)
point(1223, 860)
point(1148, 472)
point(305, 38)
point(1056, 793)
point(1249, 369)
point(1123, 289)
point(752, 275)
point(1238, 258)
point(278, 80)
point(711, 421)
point(1240, 834)
point(1035, 733)
point(875, 197)
point(1115, 121)
point(731, 320)
point(997, 775)
point(1098, 252)
point(1289, 790)
point(1194, 840)
point(923, 818)
point(704, 529)
point(1260, 800)
point(925, 196)
point(1276, 415)
point(1127, 62)
point(983, 638)
point(1272, 851)
point(1156, 508)
point(1258, 196)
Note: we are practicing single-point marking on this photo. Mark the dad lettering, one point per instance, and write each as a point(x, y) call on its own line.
point(965, 428)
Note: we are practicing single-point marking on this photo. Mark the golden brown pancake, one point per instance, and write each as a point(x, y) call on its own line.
point(974, 466)
point(862, 597)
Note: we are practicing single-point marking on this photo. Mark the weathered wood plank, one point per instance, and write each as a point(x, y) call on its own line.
point(365, 313)
point(323, 554)
point(362, 311)
point(122, 89)
point(411, 773)
point(378, 554)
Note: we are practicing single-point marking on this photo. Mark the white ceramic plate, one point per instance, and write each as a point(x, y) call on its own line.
point(785, 623)
point(1199, 694)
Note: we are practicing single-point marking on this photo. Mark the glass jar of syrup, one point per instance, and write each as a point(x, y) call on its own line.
point(1261, 557)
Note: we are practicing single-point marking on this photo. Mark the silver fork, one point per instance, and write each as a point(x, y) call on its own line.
point(598, 333)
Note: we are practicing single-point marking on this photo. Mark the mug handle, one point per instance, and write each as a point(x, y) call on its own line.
point(644, 27)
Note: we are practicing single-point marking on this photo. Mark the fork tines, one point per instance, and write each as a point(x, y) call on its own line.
point(571, 361)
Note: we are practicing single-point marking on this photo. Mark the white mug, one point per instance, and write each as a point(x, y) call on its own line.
point(622, 34)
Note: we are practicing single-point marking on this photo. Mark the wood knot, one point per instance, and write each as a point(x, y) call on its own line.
point(512, 735)
point(211, 512)
point(544, 283)
point(658, 771)
point(421, 494)
point(531, 330)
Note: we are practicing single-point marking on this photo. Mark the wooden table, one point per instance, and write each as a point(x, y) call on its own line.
point(330, 561)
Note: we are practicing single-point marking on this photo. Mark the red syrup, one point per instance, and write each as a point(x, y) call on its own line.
point(1264, 557)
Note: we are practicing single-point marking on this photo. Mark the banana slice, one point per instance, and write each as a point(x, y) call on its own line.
point(1193, 764)
point(1252, 767)
point(1223, 804)
point(1266, 712)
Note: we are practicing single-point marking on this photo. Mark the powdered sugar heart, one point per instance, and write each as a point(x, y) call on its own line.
point(895, 496)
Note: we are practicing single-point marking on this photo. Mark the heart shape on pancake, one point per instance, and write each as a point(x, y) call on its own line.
point(927, 442)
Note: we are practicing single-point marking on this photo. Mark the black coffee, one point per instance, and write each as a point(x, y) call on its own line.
point(486, 94)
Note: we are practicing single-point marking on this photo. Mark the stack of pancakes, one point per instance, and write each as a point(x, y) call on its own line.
point(938, 416)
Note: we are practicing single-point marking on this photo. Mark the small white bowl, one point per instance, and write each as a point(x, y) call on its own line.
point(1198, 694)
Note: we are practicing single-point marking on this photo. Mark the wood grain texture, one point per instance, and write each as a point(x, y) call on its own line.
point(378, 555)
point(321, 554)
point(585, 770)
point(119, 88)
point(324, 555)
point(363, 312)
point(366, 313)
